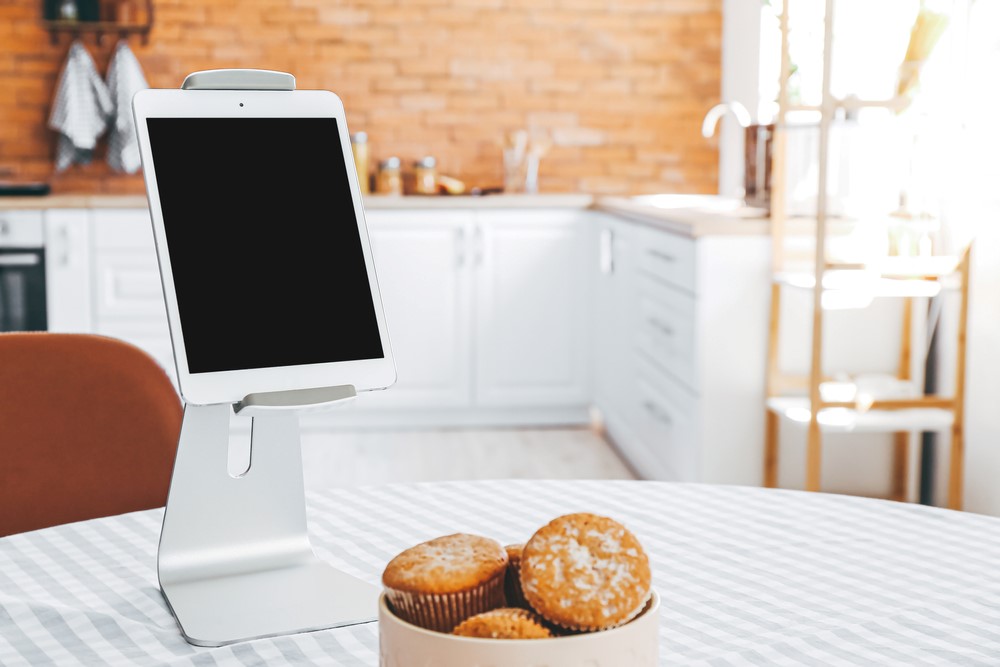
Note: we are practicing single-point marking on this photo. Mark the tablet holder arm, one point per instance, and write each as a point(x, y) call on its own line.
point(302, 400)
point(235, 562)
point(238, 79)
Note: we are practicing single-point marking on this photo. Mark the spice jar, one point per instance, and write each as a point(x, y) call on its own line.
point(359, 144)
point(390, 176)
point(425, 176)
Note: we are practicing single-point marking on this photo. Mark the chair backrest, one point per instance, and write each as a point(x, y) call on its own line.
point(88, 428)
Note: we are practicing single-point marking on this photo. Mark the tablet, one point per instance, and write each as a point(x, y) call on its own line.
point(262, 245)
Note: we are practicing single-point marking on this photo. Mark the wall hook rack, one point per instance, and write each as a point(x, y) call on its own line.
point(137, 23)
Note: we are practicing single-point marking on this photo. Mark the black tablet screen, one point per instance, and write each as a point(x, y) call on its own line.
point(264, 246)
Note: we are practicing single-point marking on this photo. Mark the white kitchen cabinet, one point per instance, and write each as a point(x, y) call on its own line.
point(487, 311)
point(666, 423)
point(510, 316)
point(126, 293)
point(423, 267)
point(613, 280)
point(68, 270)
point(679, 377)
point(487, 315)
point(531, 308)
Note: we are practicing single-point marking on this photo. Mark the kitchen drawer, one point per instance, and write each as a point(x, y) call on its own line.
point(667, 258)
point(666, 424)
point(665, 331)
point(127, 286)
point(21, 229)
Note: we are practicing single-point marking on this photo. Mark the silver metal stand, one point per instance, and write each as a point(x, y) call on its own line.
point(235, 562)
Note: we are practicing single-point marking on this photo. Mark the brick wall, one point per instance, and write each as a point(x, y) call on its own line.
point(621, 85)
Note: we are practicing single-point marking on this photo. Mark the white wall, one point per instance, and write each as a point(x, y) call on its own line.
point(740, 82)
point(973, 212)
point(982, 491)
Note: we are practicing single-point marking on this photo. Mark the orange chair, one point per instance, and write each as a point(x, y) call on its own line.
point(88, 428)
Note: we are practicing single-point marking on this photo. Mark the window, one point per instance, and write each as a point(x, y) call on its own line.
point(932, 156)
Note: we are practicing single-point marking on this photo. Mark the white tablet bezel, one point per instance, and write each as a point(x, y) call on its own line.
point(232, 386)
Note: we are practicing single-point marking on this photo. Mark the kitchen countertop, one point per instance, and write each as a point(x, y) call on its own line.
point(72, 201)
point(691, 215)
point(713, 215)
point(555, 200)
point(688, 214)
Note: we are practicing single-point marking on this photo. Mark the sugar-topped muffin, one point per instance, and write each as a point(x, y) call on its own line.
point(585, 572)
point(504, 623)
point(439, 583)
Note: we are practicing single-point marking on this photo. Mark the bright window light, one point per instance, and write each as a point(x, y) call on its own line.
point(935, 158)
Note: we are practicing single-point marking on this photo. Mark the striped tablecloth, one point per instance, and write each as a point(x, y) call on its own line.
point(747, 576)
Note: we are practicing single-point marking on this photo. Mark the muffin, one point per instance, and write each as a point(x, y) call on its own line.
point(512, 582)
point(585, 572)
point(439, 583)
point(504, 623)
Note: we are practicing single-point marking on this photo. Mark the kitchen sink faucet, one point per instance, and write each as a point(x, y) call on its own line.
point(711, 119)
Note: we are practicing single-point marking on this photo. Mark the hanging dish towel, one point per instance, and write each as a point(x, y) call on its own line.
point(81, 110)
point(125, 79)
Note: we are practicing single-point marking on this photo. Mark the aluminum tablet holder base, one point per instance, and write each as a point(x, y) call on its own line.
point(235, 562)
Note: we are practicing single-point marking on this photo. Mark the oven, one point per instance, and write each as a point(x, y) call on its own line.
point(23, 303)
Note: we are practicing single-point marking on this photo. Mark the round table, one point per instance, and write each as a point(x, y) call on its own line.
point(746, 575)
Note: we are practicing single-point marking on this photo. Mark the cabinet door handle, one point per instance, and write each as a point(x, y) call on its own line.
point(477, 259)
point(657, 412)
point(460, 247)
point(606, 260)
point(665, 256)
point(665, 329)
point(63, 237)
point(20, 259)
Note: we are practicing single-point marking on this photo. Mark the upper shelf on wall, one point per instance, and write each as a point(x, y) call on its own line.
point(98, 17)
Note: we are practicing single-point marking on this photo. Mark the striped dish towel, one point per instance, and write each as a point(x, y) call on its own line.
point(81, 110)
point(124, 79)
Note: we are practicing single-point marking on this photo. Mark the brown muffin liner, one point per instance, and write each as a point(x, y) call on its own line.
point(512, 586)
point(444, 611)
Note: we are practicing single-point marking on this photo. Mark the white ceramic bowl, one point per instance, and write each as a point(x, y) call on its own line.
point(634, 644)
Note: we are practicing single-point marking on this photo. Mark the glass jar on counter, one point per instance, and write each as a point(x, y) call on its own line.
point(425, 176)
point(359, 145)
point(390, 176)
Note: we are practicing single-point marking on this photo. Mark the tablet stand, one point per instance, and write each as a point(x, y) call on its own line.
point(235, 562)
